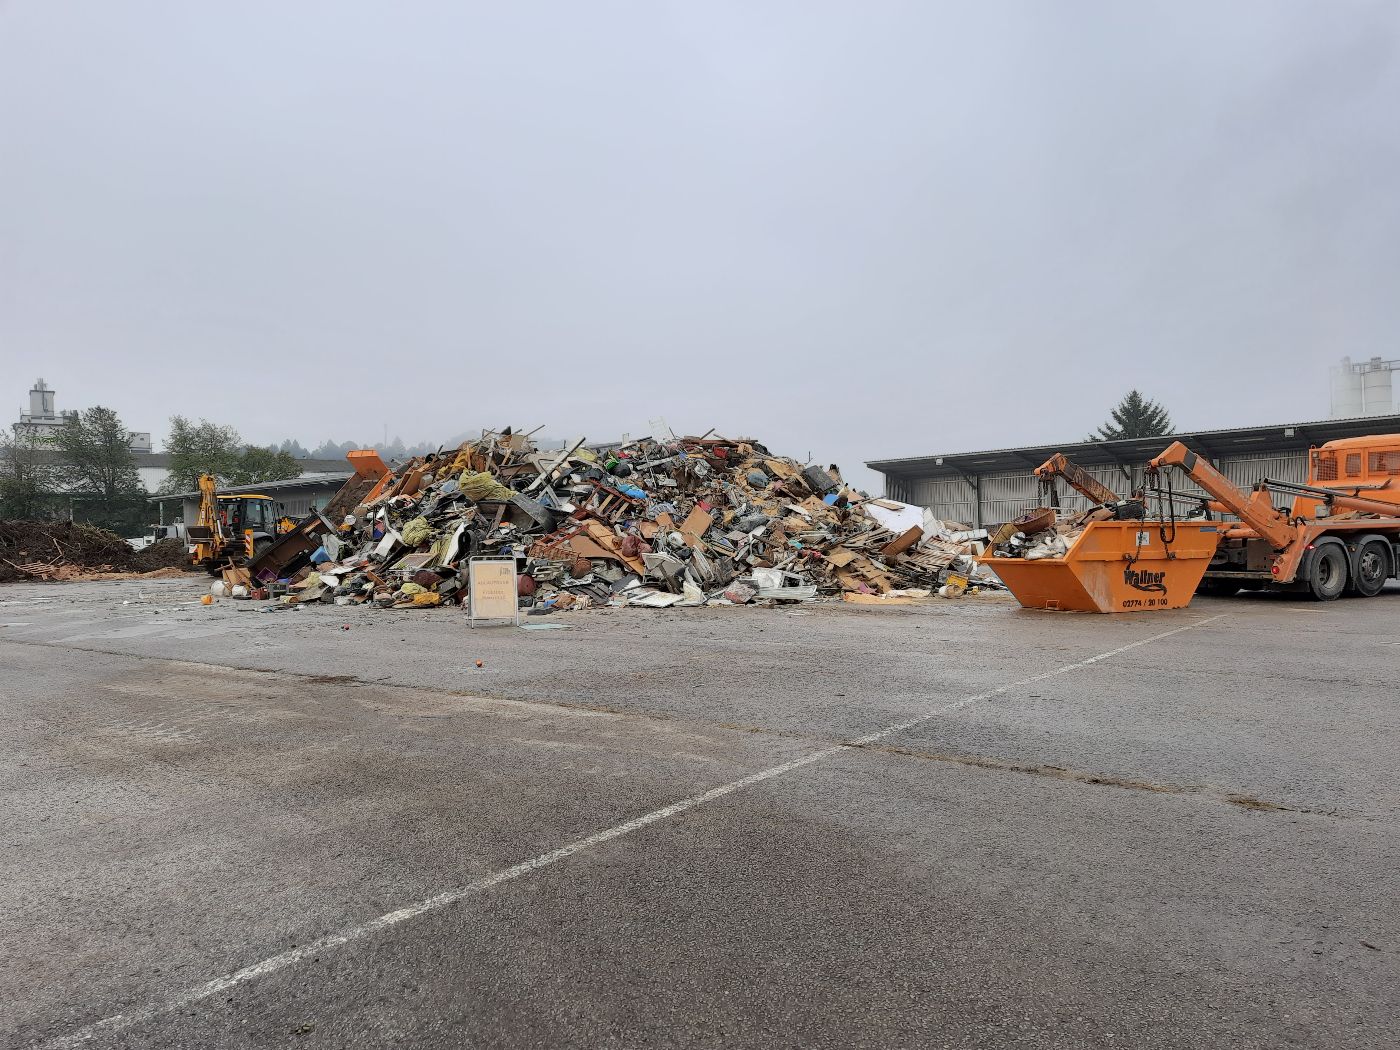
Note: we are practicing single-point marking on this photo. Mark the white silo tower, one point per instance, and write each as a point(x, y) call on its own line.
point(1363, 388)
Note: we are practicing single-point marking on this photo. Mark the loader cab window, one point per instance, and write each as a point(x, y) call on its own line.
point(235, 514)
point(255, 515)
point(1354, 465)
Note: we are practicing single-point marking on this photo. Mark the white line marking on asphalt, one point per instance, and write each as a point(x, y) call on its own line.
point(282, 960)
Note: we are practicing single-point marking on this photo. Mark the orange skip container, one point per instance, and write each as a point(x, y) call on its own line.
point(1116, 566)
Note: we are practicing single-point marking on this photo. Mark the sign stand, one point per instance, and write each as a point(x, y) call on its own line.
point(493, 591)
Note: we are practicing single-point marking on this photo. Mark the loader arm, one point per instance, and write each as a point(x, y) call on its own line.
point(1256, 510)
point(1079, 479)
point(205, 536)
point(208, 502)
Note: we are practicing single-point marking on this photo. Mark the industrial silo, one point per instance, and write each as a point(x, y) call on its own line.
point(1363, 388)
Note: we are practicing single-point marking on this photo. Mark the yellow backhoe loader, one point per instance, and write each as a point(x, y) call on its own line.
point(231, 528)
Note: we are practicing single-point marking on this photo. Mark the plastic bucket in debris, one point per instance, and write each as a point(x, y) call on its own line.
point(1115, 567)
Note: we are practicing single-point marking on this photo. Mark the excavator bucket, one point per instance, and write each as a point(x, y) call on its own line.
point(1115, 566)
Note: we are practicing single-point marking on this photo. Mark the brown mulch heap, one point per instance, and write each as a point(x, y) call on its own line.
point(61, 550)
point(167, 554)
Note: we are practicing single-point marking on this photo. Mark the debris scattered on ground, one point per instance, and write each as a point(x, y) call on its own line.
point(62, 550)
point(661, 522)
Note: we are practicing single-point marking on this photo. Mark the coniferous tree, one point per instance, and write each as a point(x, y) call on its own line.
point(1135, 417)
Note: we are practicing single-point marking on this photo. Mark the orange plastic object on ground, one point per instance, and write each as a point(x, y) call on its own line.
point(1115, 566)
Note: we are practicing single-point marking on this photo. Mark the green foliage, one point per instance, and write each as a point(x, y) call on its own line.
point(264, 464)
point(208, 448)
point(200, 448)
point(98, 471)
point(1135, 417)
point(27, 481)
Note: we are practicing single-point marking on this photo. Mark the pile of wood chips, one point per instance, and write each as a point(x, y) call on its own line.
point(61, 550)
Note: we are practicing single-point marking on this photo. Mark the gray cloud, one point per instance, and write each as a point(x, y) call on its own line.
point(862, 230)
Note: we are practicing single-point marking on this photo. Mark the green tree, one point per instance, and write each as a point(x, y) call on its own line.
point(200, 448)
point(27, 478)
point(264, 464)
point(208, 448)
point(98, 470)
point(1135, 417)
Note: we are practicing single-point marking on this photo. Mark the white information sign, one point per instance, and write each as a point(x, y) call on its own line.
point(493, 590)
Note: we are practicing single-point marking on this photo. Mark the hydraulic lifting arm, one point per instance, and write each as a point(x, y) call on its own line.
point(1338, 500)
point(1078, 478)
point(1256, 510)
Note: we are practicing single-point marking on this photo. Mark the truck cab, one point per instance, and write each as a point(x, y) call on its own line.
point(1363, 465)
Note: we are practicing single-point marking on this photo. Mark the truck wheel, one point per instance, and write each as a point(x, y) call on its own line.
point(1327, 575)
point(1372, 568)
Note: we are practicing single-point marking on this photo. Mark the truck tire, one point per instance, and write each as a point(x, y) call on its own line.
point(1373, 567)
point(1328, 571)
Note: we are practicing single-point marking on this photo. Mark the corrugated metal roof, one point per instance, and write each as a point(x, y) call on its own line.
point(309, 480)
point(1134, 451)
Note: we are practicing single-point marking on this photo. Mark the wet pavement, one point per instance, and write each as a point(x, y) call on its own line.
point(958, 825)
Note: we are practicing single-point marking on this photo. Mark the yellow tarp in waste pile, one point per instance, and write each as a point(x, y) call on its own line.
point(477, 486)
point(416, 532)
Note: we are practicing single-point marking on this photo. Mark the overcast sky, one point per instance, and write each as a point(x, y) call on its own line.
point(858, 229)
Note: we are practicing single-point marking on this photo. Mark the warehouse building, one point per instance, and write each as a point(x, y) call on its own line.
point(295, 498)
point(995, 486)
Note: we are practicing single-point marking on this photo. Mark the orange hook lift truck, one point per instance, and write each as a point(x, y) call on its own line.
point(1341, 535)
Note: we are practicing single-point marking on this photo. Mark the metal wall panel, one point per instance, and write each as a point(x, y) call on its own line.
point(1008, 495)
point(1244, 471)
point(953, 499)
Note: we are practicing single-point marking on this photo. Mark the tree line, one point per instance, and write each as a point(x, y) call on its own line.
point(395, 449)
point(85, 470)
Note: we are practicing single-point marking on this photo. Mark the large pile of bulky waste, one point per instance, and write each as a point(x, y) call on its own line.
point(63, 550)
point(655, 522)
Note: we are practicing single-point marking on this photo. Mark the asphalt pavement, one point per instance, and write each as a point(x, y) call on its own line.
point(956, 825)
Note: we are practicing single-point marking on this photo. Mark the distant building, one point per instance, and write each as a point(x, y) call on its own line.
point(1363, 388)
point(295, 497)
point(43, 422)
point(987, 488)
